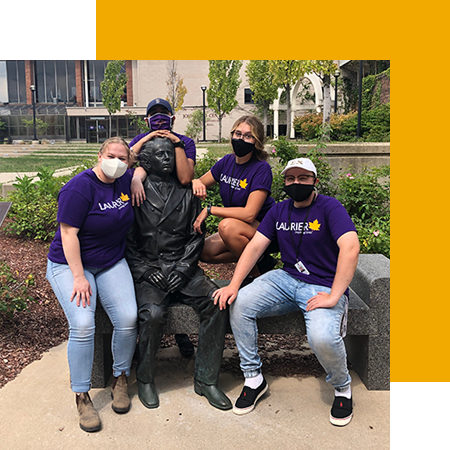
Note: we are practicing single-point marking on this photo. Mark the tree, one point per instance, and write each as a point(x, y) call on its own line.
point(175, 86)
point(113, 87)
point(195, 124)
point(323, 68)
point(41, 126)
point(224, 82)
point(261, 83)
point(285, 74)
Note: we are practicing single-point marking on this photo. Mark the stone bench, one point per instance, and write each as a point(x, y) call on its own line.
point(368, 330)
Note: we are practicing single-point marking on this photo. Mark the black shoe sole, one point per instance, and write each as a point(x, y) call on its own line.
point(119, 410)
point(92, 429)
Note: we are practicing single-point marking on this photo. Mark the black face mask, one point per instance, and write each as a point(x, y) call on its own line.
point(242, 148)
point(299, 192)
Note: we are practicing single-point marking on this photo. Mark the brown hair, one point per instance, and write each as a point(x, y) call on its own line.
point(257, 129)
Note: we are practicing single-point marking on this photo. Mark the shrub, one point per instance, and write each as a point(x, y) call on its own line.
point(365, 195)
point(14, 295)
point(284, 150)
point(34, 205)
point(374, 236)
point(308, 126)
point(375, 125)
point(213, 195)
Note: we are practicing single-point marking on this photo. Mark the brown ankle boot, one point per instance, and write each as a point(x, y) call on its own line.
point(89, 418)
point(119, 393)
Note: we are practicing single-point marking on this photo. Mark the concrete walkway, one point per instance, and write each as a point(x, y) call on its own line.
point(38, 411)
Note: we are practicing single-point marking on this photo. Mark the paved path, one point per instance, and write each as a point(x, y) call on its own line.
point(38, 411)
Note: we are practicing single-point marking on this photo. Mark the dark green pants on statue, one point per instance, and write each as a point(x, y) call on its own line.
point(153, 304)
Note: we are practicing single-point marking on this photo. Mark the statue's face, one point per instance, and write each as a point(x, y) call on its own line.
point(158, 156)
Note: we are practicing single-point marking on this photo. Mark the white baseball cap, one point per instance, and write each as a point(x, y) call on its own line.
point(302, 163)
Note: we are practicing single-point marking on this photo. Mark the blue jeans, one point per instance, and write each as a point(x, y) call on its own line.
point(115, 289)
point(277, 293)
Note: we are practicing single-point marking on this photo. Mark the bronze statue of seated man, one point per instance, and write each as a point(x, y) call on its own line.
point(163, 251)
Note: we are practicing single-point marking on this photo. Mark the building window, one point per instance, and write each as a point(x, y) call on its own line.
point(15, 75)
point(55, 81)
point(3, 83)
point(248, 96)
point(95, 75)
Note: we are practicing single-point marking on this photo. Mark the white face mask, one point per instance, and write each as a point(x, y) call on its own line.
point(113, 168)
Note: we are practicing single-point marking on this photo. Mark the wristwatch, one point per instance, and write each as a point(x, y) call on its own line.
point(180, 143)
point(208, 209)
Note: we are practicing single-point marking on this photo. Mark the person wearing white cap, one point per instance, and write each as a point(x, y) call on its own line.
point(319, 248)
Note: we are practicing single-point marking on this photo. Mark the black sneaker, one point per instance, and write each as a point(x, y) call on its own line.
point(248, 398)
point(341, 411)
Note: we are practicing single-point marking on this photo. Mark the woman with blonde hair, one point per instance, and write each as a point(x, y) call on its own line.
point(245, 181)
point(86, 262)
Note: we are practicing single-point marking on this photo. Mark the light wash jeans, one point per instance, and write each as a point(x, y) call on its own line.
point(115, 289)
point(276, 293)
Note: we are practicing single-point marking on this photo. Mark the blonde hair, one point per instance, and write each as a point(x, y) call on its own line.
point(257, 129)
point(115, 140)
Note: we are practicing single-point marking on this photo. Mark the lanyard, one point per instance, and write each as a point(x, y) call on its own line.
point(303, 226)
point(232, 178)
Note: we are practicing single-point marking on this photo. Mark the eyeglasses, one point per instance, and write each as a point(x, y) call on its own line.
point(247, 137)
point(301, 178)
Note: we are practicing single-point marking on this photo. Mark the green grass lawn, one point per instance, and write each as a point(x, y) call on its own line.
point(32, 163)
point(61, 151)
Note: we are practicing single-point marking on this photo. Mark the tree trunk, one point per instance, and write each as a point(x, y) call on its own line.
point(220, 128)
point(288, 111)
point(326, 105)
point(109, 125)
point(266, 107)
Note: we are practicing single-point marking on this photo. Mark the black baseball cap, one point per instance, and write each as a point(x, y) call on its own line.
point(159, 101)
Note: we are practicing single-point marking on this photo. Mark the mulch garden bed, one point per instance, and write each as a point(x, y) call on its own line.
point(28, 334)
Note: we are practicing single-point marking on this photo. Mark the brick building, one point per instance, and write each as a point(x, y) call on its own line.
point(68, 98)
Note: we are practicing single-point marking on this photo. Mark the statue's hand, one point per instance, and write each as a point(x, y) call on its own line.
point(176, 281)
point(158, 279)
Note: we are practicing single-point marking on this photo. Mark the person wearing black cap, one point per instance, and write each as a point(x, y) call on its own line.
point(160, 120)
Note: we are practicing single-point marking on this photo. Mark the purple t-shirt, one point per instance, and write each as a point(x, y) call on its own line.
point(237, 181)
point(189, 144)
point(103, 214)
point(327, 221)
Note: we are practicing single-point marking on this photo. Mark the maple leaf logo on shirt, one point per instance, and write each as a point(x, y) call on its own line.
point(124, 197)
point(315, 226)
point(243, 183)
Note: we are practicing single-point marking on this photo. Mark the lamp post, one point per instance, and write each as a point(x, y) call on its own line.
point(204, 117)
point(336, 76)
point(33, 99)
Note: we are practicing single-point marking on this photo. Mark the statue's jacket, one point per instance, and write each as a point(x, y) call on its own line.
point(162, 236)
